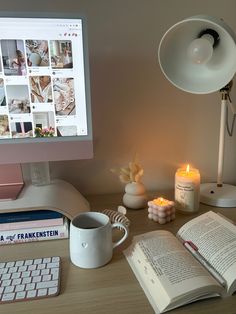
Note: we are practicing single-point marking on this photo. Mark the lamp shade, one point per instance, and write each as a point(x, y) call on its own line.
point(182, 71)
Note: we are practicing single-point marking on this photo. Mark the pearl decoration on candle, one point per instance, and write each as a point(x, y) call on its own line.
point(161, 210)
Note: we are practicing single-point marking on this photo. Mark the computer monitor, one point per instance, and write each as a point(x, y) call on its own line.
point(45, 111)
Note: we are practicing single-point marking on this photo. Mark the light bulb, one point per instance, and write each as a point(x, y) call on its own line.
point(200, 50)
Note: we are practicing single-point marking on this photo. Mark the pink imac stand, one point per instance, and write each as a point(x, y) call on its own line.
point(11, 181)
point(42, 193)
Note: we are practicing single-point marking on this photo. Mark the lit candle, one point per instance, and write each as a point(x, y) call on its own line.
point(161, 210)
point(187, 187)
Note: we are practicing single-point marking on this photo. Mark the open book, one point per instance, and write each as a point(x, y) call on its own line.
point(169, 273)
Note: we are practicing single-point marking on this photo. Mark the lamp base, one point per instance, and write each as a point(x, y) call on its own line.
point(213, 195)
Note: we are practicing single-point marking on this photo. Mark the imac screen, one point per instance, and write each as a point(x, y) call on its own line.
point(42, 79)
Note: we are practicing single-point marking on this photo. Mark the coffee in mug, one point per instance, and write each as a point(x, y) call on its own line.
point(91, 243)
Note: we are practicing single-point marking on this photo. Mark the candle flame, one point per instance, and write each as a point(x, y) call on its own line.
point(187, 168)
point(159, 201)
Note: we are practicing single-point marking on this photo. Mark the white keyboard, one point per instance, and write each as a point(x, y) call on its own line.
point(29, 279)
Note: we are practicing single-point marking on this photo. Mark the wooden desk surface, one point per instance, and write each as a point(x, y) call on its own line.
point(112, 288)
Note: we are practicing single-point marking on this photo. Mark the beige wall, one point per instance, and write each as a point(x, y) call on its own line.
point(134, 107)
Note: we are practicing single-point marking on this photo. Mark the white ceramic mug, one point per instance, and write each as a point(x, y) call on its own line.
point(91, 243)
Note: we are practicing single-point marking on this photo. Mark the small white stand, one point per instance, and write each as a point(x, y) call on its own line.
point(59, 196)
point(224, 196)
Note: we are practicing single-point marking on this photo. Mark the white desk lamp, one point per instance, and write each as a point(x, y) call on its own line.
point(198, 55)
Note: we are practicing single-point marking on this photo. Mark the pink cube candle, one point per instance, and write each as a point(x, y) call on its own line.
point(161, 210)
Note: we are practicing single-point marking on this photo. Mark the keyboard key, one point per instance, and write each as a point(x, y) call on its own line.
point(31, 294)
point(5, 276)
point(47, 284)
point(45, 271)
point(38, 261)
point(28, 262)
point(52, 265)
point(1, 290)
point(32, 267)
point(15, 275)
point(12, 270)
point(20, 295)
point(30, 286)
point(37, 279)
point(10, 264)
point(46, 278)
point(42, 292)
point(25, 274)
point(19, 288)
point(54, 271)
point(6, 283)
point(26, 280)
point(47, 260)
point(35, 273)
point(52, 290)
point(9, 289)
point(8, 296)
point(2, 265)
point(55, 259)
point(22, 268)
point(41, 266)
point(19, 263)
point(3, 271)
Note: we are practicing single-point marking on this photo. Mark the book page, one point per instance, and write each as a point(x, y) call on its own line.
point(215, 238)
point(168, 271)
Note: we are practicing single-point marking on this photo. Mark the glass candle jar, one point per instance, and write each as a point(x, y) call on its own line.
point(187, 189)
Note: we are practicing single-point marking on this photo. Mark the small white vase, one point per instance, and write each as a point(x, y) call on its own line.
point(135, 195)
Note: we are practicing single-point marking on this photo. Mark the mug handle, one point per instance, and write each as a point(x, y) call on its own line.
point(125, 236)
